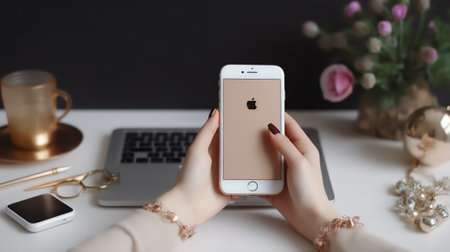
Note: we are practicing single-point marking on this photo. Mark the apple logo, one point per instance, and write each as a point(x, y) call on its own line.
point(251, 104)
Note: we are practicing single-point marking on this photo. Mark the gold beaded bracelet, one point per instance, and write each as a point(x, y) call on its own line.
point(322, 240)
point(185, 231)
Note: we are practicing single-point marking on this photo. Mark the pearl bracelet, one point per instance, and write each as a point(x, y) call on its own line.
point(185, 232)
point(322, 240)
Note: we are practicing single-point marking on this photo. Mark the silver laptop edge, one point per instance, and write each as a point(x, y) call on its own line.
point(140, 183)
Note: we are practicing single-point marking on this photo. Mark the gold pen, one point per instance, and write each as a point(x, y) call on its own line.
point(34, 176)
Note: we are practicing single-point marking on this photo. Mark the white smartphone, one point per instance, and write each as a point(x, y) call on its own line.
point(40, 212)
point(250, 97)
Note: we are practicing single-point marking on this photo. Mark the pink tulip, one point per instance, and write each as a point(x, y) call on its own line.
point(384, 28)
point(399, 11)
point(351, 9)
point(336, 83)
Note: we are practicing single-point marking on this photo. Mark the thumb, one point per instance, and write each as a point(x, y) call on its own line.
point(207, 132)
point(292, 156)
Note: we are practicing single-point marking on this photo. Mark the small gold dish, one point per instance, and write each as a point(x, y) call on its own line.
point(66, 138)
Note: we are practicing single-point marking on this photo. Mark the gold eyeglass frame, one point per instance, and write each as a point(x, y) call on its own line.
point(79, 180)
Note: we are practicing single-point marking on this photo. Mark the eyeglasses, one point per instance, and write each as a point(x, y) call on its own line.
point(73, 187)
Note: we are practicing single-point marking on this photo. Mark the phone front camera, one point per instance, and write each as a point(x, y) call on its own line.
point(242, 71)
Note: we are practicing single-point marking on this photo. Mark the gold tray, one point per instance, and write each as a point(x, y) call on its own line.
point(67, 138)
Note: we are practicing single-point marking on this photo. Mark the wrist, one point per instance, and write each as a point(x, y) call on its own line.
point(157, 207)
point(175, 201)
point(315, 219)
point(331, 228)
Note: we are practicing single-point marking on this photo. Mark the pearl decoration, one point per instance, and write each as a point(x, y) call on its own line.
point(418, 205)
point(412, 214)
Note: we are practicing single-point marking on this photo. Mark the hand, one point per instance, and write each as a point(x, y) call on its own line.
point(196, 196)
point(303, 201)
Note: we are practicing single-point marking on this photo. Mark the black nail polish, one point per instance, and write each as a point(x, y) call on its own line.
point(211, 112)
point(273, 129)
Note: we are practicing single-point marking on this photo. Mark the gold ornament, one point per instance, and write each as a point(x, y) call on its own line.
point(427, 138)
point(426, 135)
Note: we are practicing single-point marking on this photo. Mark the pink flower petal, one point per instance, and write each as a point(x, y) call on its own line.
point(399, 11)
point(336, 82)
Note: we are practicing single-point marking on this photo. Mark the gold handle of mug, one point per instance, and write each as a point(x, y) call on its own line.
point(68, 100)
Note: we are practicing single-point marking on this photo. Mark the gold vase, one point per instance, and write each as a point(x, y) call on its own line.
point(389, 123)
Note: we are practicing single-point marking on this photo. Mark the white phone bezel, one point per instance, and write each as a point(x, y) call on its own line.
point(42, 225)
point(241, 187)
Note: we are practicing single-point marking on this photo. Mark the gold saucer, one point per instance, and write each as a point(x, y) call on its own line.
point(67, 138)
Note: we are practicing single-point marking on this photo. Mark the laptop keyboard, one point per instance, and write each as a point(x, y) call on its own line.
point(156, 146)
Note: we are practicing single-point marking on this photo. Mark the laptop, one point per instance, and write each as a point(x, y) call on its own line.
point(148, 161)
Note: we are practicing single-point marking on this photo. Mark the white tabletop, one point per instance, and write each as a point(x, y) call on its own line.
point(362, 169)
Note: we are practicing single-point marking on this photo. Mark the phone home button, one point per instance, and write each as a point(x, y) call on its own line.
point(252, 186)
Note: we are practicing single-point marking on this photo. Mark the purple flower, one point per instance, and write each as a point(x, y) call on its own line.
point(399, 11)
point(351, 9)
point(384, 28)
point(432, 26)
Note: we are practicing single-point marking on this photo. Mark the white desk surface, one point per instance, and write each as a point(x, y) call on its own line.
point(362, 169)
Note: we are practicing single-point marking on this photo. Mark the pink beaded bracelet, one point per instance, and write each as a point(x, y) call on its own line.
point(185, 231)
point(322, 240)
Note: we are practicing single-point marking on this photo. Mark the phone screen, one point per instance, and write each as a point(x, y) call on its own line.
point(40, 208)
point(249, 105)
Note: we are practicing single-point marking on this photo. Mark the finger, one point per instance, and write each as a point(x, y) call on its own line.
point(207, 132)
point(284, 145)
point(273, 198)
point(298, 137)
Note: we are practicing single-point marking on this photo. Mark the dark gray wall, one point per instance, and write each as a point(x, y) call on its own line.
point(168, 53)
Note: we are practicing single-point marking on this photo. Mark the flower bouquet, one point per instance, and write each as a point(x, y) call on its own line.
point(394, 50)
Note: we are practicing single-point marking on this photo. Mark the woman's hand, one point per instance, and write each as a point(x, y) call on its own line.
point(303, 201)
point(196, 196)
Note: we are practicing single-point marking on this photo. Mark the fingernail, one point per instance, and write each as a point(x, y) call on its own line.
point(211, 113)
point(273, 129)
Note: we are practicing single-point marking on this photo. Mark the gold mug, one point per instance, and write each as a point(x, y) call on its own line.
point(29, 98)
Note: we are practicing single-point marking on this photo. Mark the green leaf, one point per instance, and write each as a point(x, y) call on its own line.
point(439, 72)
point(443, 33)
